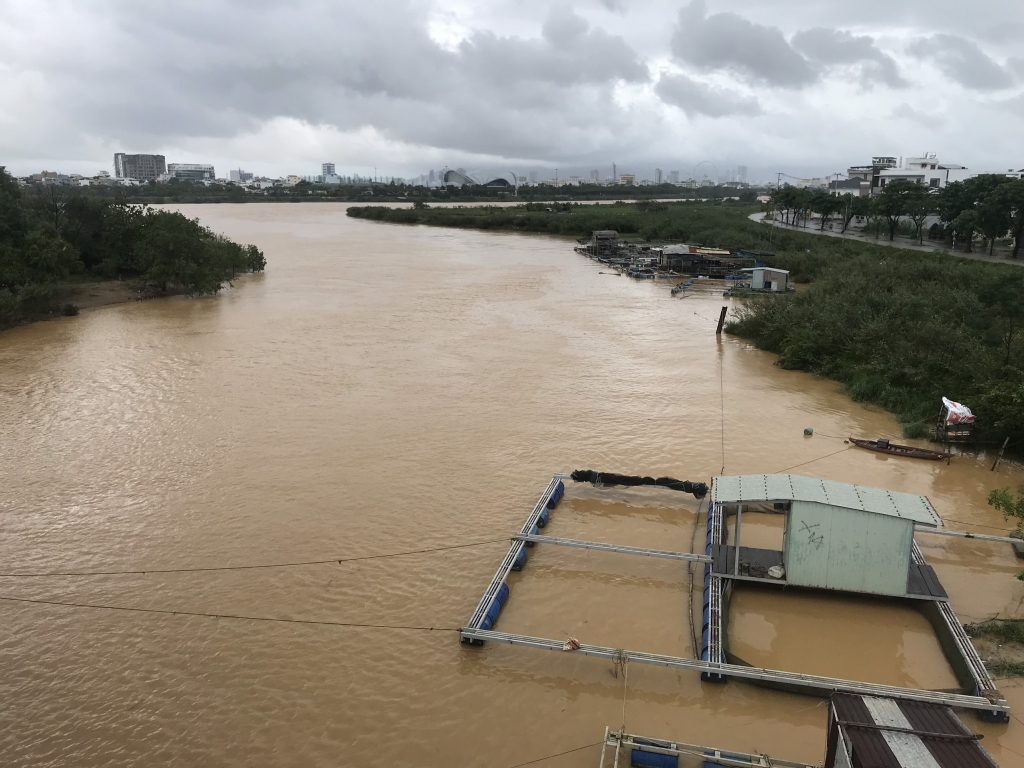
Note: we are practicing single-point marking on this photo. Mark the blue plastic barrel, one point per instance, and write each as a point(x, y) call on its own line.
point(533, 532)
point(653, 759)
point(500, 598)
point(520, 560)
point(556, 495)
point(542, 521)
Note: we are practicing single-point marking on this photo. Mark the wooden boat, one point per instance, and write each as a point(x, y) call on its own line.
point(884, 446)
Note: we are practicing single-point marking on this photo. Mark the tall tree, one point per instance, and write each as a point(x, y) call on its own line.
point(920, 205)
point(1009, 197)
point(892, 203)
point(855, 205)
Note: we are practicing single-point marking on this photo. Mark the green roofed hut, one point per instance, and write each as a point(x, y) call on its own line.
point(837, 535)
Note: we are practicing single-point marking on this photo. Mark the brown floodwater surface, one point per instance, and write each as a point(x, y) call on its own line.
point(389, 388)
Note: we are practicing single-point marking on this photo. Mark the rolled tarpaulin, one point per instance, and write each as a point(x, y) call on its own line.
point(699, 490)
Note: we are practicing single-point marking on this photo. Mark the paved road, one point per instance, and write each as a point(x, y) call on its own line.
point(895, 244)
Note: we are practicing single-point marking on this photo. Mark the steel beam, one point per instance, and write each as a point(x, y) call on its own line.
point(965, 535)
point(601, 547)
point(825, 685)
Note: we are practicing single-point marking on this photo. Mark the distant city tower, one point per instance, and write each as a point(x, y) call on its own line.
point(327, 169)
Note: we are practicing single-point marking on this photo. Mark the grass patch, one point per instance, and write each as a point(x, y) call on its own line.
point(1000, 630)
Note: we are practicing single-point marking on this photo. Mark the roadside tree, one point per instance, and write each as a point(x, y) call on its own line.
point(920, 205)
point(892, 203)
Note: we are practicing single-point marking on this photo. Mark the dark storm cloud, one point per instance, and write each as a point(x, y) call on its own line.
point(358, 65)
point(547, 82)
point(963, 61)
point(831, 46)
point(726, 41)
point(696, 98)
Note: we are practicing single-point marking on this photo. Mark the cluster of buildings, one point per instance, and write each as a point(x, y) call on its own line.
point(734, 177)
point(143, 168)
point(871, 178)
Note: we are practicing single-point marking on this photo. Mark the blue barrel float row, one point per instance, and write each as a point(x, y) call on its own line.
point(517, 565)
point(705, 632)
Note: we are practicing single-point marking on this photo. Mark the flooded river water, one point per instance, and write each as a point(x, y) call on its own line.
point(388, 388)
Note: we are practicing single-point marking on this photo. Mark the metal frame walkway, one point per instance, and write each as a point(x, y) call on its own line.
point(712, 665)
point(601, 547)
point(826, 685)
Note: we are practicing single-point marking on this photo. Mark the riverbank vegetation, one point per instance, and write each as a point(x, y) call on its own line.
point(900, 328)
point(1001, 645)
point(183, 191)
point(52, 237)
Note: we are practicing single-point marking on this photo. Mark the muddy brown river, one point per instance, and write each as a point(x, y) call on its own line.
point(387, 388)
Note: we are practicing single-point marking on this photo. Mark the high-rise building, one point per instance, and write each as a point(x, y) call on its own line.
point(239, 175)
point(741, 173)
point(533, 177)
point(673, 177)
point(657, 175)
point(191, 171)
point(327, 169)
point(595, 176)
point(432, 178)
point(141, 167)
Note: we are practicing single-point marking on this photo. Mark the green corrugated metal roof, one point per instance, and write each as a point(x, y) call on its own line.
point(761, 488)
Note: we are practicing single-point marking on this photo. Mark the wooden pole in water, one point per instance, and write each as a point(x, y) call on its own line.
point(1000, 456)
point(721, 321)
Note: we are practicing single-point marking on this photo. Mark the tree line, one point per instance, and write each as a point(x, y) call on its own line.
point(52, 236)
point(990, 206)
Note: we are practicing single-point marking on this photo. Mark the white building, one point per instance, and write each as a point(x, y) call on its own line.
point(925, 170)
point(192, 171)
point(327, 169)
point(657, 175)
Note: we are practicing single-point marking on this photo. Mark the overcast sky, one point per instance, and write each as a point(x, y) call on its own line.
point(806, 87)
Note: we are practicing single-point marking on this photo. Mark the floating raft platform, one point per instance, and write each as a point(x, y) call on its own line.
point(980, 692)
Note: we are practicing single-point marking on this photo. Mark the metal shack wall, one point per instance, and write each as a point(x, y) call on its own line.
point(757, 279)
point(836, 548)
point(776, 276)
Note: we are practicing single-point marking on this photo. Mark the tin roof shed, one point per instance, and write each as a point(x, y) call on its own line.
point(838, 535)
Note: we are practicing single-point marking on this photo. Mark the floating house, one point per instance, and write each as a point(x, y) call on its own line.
point(768, 279)
point(837, 535)
point(602, 242)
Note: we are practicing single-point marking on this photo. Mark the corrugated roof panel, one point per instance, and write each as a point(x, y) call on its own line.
point(760, 488)
point(808, 488)
point(778, 486)
point(842, 495)
point(875, 500)
point(726, 488)
point(880, 748)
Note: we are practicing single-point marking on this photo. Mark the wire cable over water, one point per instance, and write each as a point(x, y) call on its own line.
point(258, 566)
point(167, 612)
